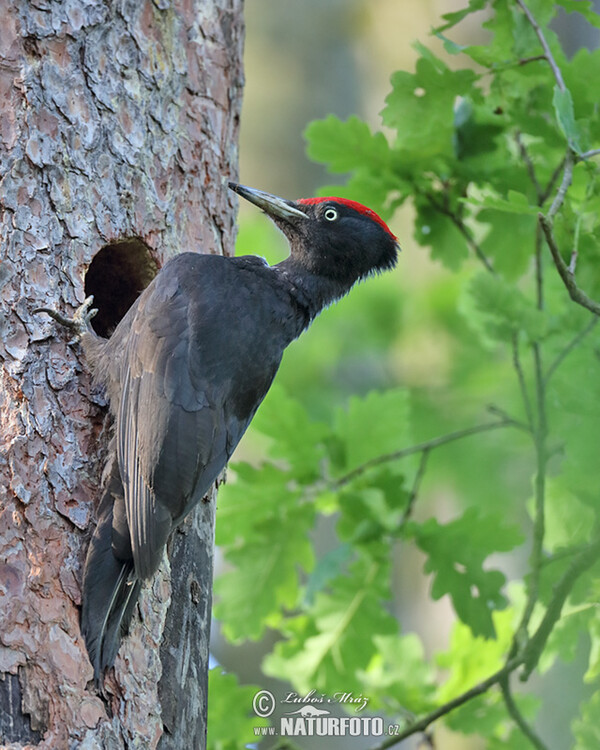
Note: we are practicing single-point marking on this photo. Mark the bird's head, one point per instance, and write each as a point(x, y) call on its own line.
point(335, 238)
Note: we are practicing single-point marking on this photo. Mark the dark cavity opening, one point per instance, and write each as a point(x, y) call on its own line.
point(117, 275)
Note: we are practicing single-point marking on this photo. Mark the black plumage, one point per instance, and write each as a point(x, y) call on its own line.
point(185, 371)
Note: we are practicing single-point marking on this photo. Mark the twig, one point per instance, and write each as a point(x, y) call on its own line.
point(552, 182)
point(562, 554)
point(565, 184)
point(539, 525)
point(575, 341)
point(479, 689)
point(517, 716)
point(416, 485)
point(428, 445)
point(546, 221)
point(462, 228)
point(529, 166)
point(522, 383)
point(580, 564)
point(539, 269)
point(588, 154)
point(539, 439)
point(576, 294)
point(547, 52)
point(529, 657)
point(575, 250)
point(535, 58)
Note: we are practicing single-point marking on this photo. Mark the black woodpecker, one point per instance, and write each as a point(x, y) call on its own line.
point(185, 371)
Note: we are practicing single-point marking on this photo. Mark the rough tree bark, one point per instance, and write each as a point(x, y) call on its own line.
point(118, 123)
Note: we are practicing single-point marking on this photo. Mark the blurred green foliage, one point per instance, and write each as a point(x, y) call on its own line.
point(370, 422)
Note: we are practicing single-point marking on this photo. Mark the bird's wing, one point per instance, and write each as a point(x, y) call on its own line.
point(167, 425)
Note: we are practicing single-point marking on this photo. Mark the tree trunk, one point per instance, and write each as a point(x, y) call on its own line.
point(118, 126)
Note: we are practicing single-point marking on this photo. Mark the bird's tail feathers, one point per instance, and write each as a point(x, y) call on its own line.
point(110, 592)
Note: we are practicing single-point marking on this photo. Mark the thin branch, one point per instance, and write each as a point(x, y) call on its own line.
point(517, 716)
point(563, 554)
point(546, 221)
point(585, 559)
point(588, 154)
point(522, 383)
point(462, 228)
point(573, 344)
point(559, 198)
point(552, 181)
point(535, 58)
point(539, 430)
point(529, 166)
point(576, 294)
point(539, 525)
point(575, 250)
point(539, 269)
point(428, 445)
point(580, 564)
point(547, 52)
point(479, 689)
point(416, 486)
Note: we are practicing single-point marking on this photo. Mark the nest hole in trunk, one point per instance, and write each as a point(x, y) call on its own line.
point(117, 275)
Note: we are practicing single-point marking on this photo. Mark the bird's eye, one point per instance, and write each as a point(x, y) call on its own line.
point(331, 214)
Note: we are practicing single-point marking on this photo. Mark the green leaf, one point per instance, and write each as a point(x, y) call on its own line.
point(582, 68)
point(483, 716)
point(586, 727)
point(568, 521)
point(511, 259)
point(420, 107)
point(440, 233)
point(366, 516)
point(583, 7)
point(593, 626)
point(455, 555)
point(505, 31)
point(502, 311)
point(255, 496)
point(574, 408)
point(348, 145)
point(512, 738)
point(327, 568)
point(373, 426)
point(565, 638)
point(472, 658)
point(452, 48)
point(517, 203)
point(372, 507)
point(296, 437)
point(457, 16)
point(265, 579)
point(565, 116)
point(334, 640)
point(398, 677)
point(231, 720)
point(487, 717)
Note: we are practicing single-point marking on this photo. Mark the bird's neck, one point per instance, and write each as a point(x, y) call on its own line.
point(310, 290)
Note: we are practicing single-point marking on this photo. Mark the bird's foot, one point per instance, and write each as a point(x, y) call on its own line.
point(79, 323)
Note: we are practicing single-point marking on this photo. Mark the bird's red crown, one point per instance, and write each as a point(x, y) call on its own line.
point(351, 204)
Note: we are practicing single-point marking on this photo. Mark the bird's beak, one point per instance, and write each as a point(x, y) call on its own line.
point(272, 205)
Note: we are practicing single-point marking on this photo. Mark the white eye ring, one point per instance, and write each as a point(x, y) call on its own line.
point(330, 214)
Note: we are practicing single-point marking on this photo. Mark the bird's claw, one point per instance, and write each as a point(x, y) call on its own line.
point(79, 323)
